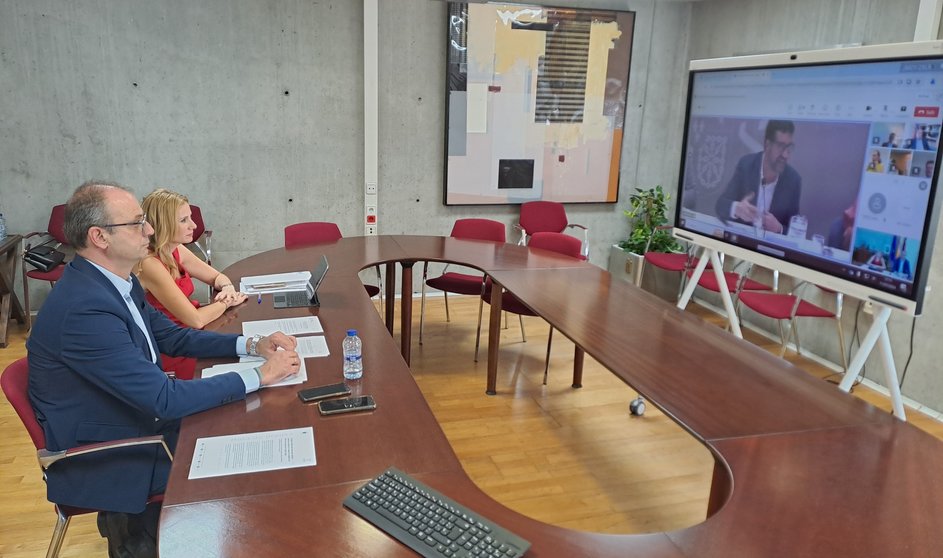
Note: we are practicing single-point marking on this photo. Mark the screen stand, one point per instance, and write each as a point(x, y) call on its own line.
point(878, 332)
point(714, 258)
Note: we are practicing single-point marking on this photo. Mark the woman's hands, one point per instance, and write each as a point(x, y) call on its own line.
point(230, 297)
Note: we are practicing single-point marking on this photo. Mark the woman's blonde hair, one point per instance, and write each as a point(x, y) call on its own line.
point(161, 207)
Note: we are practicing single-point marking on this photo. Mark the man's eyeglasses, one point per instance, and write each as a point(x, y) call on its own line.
point(784, 146)
point(142, 223)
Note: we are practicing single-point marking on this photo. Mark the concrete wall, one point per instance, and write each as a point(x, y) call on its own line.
point(254, 108)
point(735, 27)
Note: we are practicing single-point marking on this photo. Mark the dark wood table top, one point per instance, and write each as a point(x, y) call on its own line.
point(803, 469)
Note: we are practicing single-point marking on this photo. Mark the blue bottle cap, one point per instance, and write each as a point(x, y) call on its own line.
point(351, 332)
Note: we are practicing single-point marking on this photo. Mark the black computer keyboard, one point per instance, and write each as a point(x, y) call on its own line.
point(428, 522)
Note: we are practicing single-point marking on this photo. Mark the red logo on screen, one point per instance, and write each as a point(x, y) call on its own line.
point(926, 112)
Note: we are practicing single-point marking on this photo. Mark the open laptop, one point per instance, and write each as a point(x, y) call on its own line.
point(307, 297)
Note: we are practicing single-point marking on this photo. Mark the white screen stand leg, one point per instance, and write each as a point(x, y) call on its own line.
point(711, 255)
point(877, 333)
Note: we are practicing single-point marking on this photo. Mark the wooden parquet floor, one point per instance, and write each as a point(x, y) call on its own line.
point(569, 457)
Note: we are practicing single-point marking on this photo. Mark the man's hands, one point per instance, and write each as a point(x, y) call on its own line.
point(746, 211)
point(279, 364)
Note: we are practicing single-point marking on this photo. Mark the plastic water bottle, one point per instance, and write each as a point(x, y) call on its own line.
point(353, 357)
point(3, 228)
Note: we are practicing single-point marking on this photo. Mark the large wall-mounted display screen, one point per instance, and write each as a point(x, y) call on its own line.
point(827, 161)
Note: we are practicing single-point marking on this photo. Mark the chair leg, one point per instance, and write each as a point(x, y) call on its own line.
point(446, 295)
point(422, 298)
point(547, 362)
point(795, 334)
point(841, 346)
point(523, 335)
point(783, 339)
point(481, 304)
point(58, 534)
point(681, 284)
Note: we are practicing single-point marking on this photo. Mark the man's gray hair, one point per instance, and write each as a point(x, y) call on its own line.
point(86, 209)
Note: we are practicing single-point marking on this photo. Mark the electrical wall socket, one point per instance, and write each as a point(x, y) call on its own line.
point(370, 230)
point(371, 188)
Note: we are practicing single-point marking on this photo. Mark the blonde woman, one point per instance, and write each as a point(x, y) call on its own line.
point(166, 273)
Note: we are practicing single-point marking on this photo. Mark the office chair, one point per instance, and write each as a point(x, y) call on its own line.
point(202, 243)
point(321, 232)
point(547, 216)
point(15, 385)
point(54, 235)
point(553, 241)
point(676, 262)
point(792, 306)
point(461, 283)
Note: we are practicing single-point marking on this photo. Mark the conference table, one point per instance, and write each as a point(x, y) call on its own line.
point(801, 468)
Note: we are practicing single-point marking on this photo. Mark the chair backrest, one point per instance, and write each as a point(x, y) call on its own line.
point(56, 227)
point(557, 242)
point(310, 233)
point(15, 385)
point(543, 216)
point(479, 229)
point(197, 217)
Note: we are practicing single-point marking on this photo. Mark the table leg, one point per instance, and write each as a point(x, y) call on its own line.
point(494, 337)
point(9, 304)
point(578, 354)
point(4, 318)
point(390, 295)
point(406, 312)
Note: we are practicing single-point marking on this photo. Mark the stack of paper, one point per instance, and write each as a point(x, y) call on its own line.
point(275, 283)
point(253, 452)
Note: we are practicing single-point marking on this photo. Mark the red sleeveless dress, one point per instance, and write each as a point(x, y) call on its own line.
point(183, 367)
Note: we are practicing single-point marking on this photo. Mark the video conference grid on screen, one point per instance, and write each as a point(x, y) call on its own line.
point(831, 167)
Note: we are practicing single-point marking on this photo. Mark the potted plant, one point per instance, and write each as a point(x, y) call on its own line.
point(648, 230)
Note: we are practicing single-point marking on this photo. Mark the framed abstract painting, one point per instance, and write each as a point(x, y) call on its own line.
point(535, 103)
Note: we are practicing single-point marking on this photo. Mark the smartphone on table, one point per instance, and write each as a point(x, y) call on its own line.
point(348, 405)
point(310, 395)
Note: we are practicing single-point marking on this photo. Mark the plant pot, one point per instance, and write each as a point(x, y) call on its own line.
point(625, 265)
point(628, 265)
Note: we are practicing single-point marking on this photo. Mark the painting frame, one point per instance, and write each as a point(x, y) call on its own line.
point(535, 103)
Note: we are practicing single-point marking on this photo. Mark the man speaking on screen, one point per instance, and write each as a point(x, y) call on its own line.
point(764, 190)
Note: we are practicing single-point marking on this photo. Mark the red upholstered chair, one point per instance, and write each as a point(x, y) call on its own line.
point(553, 241)
point(547, 216)
point(320, 232)
point(738, 282)
point(15, 385)
point(792, 306)
point(54, 235)
point(202, 237)
point(461, 283)
point(202, 243)
point(676, 262)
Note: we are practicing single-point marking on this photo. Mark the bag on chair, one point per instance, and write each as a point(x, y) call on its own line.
point(43, 257)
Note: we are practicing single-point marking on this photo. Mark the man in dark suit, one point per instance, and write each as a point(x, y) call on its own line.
point(764, 190)
point(95, 375)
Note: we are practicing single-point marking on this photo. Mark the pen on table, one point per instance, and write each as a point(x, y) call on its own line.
point(260, 298)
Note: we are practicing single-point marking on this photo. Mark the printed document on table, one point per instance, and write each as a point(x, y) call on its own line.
point(253, 452)
point(288, 326)
point(308, 347)
point(275, 283)
point(298, 378)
